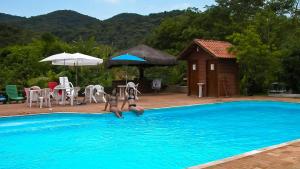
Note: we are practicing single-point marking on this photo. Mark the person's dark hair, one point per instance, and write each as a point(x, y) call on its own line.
point(131, 91)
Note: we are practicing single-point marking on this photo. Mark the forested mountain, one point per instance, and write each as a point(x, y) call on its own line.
point(10, 35)
point(121, 31)
point(5, 18)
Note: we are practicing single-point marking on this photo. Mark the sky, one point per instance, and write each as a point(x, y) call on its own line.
point(101, 9)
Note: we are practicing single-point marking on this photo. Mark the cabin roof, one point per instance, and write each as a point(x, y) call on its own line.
point(218, 49)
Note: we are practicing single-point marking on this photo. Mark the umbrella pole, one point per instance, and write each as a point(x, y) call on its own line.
point(64, 71)
point(126, 74)
point(76, 75)
point(141, 72)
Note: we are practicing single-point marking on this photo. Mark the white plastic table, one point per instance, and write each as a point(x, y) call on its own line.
point(63, 95)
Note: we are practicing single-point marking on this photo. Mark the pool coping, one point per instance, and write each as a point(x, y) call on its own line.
point(240, 156)
point(103, 112)
point(168, 107)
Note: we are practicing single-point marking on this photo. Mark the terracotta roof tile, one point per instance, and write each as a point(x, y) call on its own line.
point(217, 48)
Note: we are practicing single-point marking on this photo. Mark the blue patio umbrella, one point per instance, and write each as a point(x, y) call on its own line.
point(128, 58)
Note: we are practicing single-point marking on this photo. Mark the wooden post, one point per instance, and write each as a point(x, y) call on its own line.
point(141, 71)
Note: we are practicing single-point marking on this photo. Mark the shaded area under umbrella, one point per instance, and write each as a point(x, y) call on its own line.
point(152, 56)
point(128, 58)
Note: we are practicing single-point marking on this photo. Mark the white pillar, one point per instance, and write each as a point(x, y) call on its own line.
point(200, 89)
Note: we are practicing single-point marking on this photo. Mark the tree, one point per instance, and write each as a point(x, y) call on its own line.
point(291, 61)
point(20, 63)
point(282, 7)
point(10, 35)
point(291, 66)
point(241, 10)
point(175, 33)
point(258, 63)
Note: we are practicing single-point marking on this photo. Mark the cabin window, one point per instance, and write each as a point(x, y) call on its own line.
point(212, 66)
point(194, 67)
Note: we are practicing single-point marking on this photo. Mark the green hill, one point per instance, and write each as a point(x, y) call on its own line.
point(6, 18)
point(10, 35)
point(121, 31)
point(127, 29)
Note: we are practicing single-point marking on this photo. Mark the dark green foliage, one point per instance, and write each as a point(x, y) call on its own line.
point(68, 25)
point(20, 64)
point(258, 63)
point(291, 61)
point(20, 59)
point(126, 30)
point(5, 18)
point(292, 70)
point(264, 33)
point(121, 31)
point(174, 33)
point(10, 35)
point(283, 6)
point(241, 9)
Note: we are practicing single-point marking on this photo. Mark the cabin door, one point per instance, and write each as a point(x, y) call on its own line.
point(193, 77)
point(212, 78)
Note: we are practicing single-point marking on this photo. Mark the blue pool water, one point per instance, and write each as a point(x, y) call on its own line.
point(173, 138)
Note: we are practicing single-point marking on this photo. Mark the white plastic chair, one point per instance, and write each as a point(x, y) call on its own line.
point(88, 93)
point(33, 95)
point(135, 87)
point(156, 84)
point(45, 95)
point(27, 90)
point(64, 82)
point(98, 91)
point(74, 95)
point(55, 94)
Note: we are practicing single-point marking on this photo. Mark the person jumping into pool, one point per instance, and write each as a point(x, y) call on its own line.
point(138, 110)
point(112, 100)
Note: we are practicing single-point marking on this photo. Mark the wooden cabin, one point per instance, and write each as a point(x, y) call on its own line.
point(213, 66)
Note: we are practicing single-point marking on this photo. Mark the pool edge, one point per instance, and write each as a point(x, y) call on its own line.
point(158, 108)
point(240, 156)
point(36, 114)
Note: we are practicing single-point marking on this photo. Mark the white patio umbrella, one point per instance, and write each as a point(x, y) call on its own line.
point(60, 56)
point(79, 59)
point(76, 59)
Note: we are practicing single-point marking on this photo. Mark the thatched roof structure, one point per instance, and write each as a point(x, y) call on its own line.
point(152, 56)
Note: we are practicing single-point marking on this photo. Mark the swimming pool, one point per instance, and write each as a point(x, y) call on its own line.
point(172, 138)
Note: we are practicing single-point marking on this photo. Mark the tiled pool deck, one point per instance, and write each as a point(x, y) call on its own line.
point(284, 156)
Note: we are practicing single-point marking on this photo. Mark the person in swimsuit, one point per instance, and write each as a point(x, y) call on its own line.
point(112, 100)
point(131, 103)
